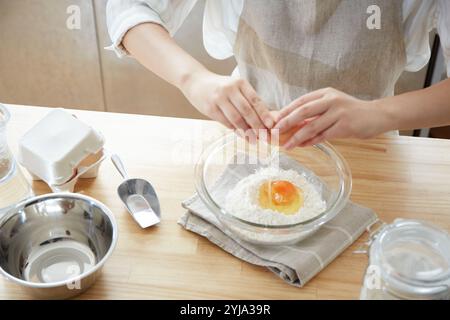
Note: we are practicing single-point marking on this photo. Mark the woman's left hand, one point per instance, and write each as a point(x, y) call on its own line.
point(329, 114)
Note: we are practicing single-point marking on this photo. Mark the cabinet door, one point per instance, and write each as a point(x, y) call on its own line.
point(42, 61)
point(129, 87)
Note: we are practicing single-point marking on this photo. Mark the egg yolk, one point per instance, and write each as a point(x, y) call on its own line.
point(281, 196)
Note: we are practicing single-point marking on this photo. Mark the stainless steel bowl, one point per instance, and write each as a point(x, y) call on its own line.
point(55, 245)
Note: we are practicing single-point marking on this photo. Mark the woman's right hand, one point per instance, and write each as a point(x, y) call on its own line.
point(231, 101)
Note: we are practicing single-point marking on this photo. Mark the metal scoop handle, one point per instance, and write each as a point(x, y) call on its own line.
point(119, 166)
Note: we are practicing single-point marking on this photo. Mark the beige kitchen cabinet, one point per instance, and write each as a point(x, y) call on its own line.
point(42, 62)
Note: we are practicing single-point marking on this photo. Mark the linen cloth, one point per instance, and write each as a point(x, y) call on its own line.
point(296, 264)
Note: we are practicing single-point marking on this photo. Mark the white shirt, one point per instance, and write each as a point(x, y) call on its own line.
point(221, 19)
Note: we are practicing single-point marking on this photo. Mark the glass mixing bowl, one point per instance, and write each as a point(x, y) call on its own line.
point(321, 165)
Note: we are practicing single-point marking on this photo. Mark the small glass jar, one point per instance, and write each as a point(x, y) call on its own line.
point(408, 259)
point(13, 184)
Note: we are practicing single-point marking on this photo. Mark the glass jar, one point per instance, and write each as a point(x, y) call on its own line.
point(408, 259)
point(13, 184)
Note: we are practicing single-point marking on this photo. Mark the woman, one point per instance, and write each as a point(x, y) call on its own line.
point(328, 68)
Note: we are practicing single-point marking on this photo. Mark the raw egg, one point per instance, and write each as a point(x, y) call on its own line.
point(281, 196)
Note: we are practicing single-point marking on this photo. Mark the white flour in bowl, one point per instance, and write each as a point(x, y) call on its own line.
point(242, 200)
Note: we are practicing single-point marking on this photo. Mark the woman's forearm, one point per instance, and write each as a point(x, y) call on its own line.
point(152, 46)
point(331, 114)
point(423, 108)
point(233, 102)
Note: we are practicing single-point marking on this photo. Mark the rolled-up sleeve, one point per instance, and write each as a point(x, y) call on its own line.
point(122, 15)
point(443, 28)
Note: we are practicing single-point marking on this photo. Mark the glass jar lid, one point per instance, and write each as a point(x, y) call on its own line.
point(414, 258)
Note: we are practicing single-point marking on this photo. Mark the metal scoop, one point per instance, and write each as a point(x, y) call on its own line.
point(138, 196)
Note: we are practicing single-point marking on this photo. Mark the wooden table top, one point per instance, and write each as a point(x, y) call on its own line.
point(396, 176)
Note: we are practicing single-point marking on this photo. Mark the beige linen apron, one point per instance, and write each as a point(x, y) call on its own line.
point(288, 48)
